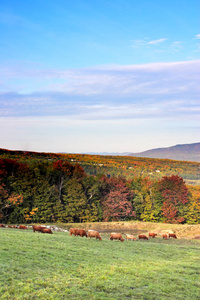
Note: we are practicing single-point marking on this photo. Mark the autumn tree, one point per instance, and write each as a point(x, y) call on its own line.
point(116, 203)
point(8, 202)
point(10, 196)
point(192, 214)
point(175, 196)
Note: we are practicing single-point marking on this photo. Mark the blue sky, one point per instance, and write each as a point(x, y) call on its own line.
point(99, 75)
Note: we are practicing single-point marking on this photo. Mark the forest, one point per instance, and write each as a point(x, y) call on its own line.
point(43, 187)
point(125, 166)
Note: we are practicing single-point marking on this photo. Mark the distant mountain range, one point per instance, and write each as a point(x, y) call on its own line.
point(184, 152)
point(187, 152)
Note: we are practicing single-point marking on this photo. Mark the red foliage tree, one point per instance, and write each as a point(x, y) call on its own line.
point(175, 196)
point(8, 166)
point(63, 167)
point(116, 204)
point(78, 172)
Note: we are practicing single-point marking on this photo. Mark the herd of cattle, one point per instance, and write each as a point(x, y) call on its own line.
point(42, 229)
point(93, 233)
point(115, 235)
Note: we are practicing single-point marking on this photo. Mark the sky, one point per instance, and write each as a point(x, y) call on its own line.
point(93, 76)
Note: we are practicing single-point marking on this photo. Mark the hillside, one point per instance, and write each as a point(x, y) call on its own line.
point(127, 166)
point(185, 152)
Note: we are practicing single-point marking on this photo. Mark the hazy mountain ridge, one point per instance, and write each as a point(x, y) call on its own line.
point(186, 152)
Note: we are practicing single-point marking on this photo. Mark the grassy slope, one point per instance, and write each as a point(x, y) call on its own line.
point(39, 266)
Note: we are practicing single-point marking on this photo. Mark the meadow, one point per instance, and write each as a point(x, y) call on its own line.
point(60, 266)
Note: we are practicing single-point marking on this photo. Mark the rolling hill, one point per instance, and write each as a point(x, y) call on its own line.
point(185, 152)
point(126, 166)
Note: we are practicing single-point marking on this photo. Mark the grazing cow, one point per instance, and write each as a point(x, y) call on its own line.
point(46, 230)
point(22, 227)
point(73, 231)
point(3, 226)
point(164, 236)
point(142, 236)
point(81, 232)
point(116, 236)
point(152, 234)
point(10, 226)
point(37, 228)
point(95, 234)
point(130, 237)
point(172, 235)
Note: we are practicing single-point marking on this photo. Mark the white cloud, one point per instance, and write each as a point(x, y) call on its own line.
point(161, 90)
point(156, 42)
point(197, 36)
point(146, 42)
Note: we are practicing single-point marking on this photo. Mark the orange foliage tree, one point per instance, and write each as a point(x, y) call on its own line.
point(8, 201)
point(193, 207)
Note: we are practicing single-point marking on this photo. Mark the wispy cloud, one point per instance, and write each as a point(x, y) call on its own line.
point(197, 36)
point(156, 42)
point(147, 42)
point(163, 45)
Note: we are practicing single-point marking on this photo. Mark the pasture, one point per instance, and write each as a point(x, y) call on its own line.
point(60, 266)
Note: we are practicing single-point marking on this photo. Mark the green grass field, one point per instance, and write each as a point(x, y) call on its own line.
point(44, 266)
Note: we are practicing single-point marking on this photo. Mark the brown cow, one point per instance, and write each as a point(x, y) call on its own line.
point(142, 236)
point(46, 230)
point(37, 228)
point(22, 227)
point(164, 236)
point(152, 234)
point(81, 232)
point(10, 226)
point(172, 235)
point(73, 231)
point(130, 237)
point(116, 236)
point(3, 226)
point(95, 234)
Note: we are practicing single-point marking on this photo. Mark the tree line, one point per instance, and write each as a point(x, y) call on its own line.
point(58, 191)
